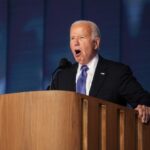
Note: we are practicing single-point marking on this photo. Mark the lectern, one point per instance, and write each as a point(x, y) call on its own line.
point(59, 120)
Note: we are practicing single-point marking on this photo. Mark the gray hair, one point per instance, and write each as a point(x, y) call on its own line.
point(95, 29)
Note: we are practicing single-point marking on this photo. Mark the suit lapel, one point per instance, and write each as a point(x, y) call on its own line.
point(99, 77)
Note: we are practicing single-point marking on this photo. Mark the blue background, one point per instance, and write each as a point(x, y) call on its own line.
point(34, 36)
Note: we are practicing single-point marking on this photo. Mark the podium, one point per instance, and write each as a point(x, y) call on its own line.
point(59, 120)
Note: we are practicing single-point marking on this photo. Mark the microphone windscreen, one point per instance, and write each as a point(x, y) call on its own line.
point(64, 63)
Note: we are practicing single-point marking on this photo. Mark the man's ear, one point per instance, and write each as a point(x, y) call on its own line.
point(96, 43)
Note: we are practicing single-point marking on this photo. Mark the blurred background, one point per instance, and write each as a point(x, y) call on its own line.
point(34, 36)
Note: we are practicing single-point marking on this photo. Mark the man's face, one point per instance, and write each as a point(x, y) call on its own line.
point(82, 45)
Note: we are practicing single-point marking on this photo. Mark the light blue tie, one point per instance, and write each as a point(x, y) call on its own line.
point(81, 82)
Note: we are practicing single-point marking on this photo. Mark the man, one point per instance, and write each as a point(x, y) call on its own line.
point(99, 77)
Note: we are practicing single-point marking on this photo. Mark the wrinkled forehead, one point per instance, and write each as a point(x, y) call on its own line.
point(83, 28)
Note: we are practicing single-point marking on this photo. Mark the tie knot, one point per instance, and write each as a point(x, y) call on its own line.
point(84, 68)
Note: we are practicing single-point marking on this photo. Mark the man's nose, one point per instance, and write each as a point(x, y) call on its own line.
point(77, 41)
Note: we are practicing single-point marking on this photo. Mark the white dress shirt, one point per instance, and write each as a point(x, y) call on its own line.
point(90, 73)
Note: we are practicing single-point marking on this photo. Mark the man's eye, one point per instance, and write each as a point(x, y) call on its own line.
point(82, 37)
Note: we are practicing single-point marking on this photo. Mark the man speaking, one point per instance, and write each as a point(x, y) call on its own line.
point(95, 76)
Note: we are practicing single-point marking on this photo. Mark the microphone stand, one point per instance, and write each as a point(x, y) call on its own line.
point(63, 64)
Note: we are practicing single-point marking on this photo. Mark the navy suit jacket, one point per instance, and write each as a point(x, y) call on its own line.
point(112, 81)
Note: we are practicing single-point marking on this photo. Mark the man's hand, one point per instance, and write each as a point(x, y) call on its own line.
point(143, 113)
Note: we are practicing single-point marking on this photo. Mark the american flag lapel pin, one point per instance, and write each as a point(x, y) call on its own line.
point(102, 73)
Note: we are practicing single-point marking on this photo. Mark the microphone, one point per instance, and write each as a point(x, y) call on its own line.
point(63, 64)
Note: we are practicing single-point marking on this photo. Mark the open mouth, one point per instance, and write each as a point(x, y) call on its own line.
point(77, 51)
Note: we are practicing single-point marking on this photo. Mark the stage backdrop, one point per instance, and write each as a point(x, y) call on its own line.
point(34, 36)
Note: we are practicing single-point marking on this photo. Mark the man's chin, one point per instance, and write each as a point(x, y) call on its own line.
point(80, 61)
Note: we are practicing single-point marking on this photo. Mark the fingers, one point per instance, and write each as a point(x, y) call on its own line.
point(143, 113)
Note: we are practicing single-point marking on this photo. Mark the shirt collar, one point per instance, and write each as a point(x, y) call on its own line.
point(92, 64)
